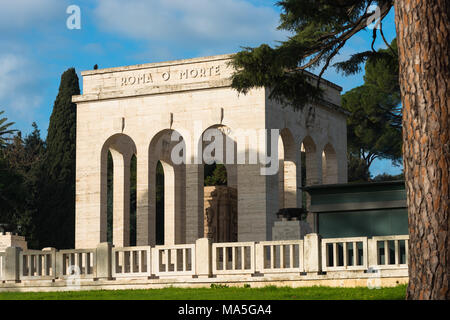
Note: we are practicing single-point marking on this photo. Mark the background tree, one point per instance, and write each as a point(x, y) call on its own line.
point(320, 29)
point(57, 209)
point(4, 130)
point(11, 194)
point(22, 161)
point(374, 127)
point(215, 175)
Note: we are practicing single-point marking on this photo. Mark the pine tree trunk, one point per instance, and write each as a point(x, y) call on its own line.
point(423, 28)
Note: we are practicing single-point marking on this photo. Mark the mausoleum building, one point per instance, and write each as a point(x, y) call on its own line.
point(163, 112)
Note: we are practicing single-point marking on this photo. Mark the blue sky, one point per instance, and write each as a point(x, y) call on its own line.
point(36, 47)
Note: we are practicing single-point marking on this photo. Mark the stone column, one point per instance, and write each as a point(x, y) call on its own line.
point(145, 218)
point(342, 166)
point(121, 203)
point(313, 167)
point(169, 203)
point(194, 202)
point(91, 195)
point(257, 203)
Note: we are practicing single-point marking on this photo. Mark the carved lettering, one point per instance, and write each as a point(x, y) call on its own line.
point(194, 73)
point(166, 76)
point(184, 74)
point(191, 73)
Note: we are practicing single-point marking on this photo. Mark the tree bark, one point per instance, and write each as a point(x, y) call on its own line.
point(424, 45)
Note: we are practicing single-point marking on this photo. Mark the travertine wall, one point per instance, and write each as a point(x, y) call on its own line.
point(142, 104)
point(9, 239)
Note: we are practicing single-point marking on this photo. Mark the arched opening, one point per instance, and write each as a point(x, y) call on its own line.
point(133, 199)
point(220, 185)
point(287, 173)
point(159, 237)
point(329, 165)
point(308, 166)
point(167, 216)
point(118, 161)
point(110, 195)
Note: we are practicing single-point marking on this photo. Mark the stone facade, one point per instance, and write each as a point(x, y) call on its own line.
point(9, 239)
point(134, 110)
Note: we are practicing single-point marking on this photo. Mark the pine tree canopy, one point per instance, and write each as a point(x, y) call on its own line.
point(374, 125)
point(319, 29)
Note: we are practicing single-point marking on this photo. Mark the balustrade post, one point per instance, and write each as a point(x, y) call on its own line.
point(373, 254)
point(203, 258)
point(103, 261)
point(312, 253)
point(11, 271)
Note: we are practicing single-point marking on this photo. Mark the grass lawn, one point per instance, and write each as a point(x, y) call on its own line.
point(219, 293)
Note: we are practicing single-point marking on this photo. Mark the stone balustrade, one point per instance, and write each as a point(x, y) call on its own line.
point(337, 258)
point(77, 263)
point(390, 252)
point(280, 256)
point(233, 258)
point(131, 262)
point(37, 264)
point(174, 260)
point(344, 254)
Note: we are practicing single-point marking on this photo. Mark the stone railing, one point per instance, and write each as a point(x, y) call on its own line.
point(340, 257)
point(37, 264)
point(175, 260)
point(233, 258)
point(344, 254)
point(389, 252)
point(280, 256)
point(79, 262)
point(131, 262)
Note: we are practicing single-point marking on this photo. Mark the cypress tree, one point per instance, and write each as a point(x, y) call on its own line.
point(57, 223)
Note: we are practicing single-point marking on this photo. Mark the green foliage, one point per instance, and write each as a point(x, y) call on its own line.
point(374, 126)
point(56, 224)
point(5, 130)
point(318, 30)
point(357, 169)
point(21, 169)
point(388, 177)
point(215, 175)
point(231, 293)
point(11, 194)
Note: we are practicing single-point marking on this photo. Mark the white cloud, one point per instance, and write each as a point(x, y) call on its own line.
point(20, 92)
point(29, 14)
point(193, 24)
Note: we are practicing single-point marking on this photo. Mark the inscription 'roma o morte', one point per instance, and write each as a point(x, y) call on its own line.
point(194, 73)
